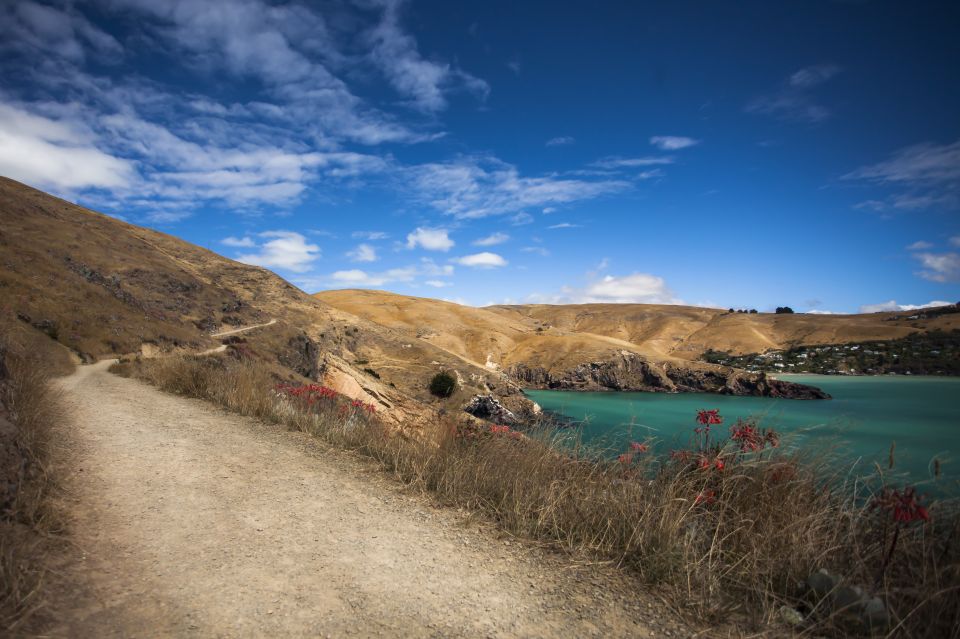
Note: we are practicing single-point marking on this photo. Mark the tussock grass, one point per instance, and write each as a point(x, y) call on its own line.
point(733, 543)
point(29, 407)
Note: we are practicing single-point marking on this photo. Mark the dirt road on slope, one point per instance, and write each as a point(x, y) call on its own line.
point(190, 521)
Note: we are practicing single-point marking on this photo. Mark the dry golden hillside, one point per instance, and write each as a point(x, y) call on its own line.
point(103, 288)
point(685, 332)
point(628, 345)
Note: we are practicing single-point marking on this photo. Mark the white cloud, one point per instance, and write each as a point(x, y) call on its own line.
point(482, 260)
point(406, 274)
point(438, 283)
point(955, 240)
point(564, 225)
point(794, 100)
point(893, 306)
point(492, 239)
point(939, 267)
point(238, 242)
point(521, 219)
point(57, 154)
point(672, 142)
point(476, 187)
point(430, 239)
point(819, 312)
point(635, 288)
point(562, 140)
point(284, 249)
point(640, 288)
point(919, 245)
point(363, 253)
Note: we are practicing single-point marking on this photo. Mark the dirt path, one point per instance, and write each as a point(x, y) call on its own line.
point(190, 521)
point(243, 329)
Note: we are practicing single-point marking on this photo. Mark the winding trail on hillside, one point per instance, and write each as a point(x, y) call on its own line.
point(243, 329)
point(190, 521)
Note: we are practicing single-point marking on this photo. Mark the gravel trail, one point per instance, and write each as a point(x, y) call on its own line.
point(189, 521)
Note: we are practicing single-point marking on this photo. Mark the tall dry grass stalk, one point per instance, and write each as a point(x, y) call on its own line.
point(738, 541)
point(29, 407)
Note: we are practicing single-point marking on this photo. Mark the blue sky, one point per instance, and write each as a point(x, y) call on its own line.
point(750, 154)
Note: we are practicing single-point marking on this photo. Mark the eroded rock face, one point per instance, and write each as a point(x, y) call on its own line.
point(489, 407)
point(303, 356)
point(628, 371)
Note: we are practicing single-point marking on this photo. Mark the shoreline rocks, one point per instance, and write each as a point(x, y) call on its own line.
point(628, 371)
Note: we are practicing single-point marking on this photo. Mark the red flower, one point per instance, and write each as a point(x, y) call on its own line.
point(751, 438)
point(707, 417)
point(706, 497)
point(637, 447)
point(904, 506)
point(680, 455)
point(625, 458)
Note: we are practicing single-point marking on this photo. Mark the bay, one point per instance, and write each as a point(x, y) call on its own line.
point(866, 415)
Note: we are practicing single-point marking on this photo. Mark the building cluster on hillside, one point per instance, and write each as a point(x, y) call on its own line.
point(932, 353)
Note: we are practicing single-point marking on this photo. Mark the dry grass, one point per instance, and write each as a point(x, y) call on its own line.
point(764, 523)
point(29, 407)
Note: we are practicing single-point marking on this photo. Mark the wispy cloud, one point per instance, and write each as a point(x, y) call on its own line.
point(562, 140)
point(795, 99)
point(892, 305)
point(536, 250)
point(423, 81)
point(672, 142)
point(564, 225)
point(919, 245)
point(476, 187)
point(370, 235)
point(430, 239)
point(286, 250)
point(492, 240)
point(482, 260)
point(924, 175)
point(617, 162)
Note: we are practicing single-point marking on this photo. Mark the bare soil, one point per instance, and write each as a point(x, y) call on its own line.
point(186, 520)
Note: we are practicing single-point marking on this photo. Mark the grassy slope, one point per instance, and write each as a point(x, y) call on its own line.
point(103, 287)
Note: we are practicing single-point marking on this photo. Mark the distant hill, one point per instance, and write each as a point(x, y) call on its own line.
point(559, 341)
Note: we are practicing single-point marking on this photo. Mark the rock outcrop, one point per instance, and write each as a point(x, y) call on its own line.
point(628, 371)
point(489, 407)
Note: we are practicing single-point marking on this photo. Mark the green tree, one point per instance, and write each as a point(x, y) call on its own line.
point(443, 384)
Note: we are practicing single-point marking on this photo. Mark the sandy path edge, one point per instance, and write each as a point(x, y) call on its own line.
point(190, 521)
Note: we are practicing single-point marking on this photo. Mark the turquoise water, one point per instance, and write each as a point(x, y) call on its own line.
point(865, 415)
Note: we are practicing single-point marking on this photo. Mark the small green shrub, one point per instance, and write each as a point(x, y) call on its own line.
point(443, 384)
